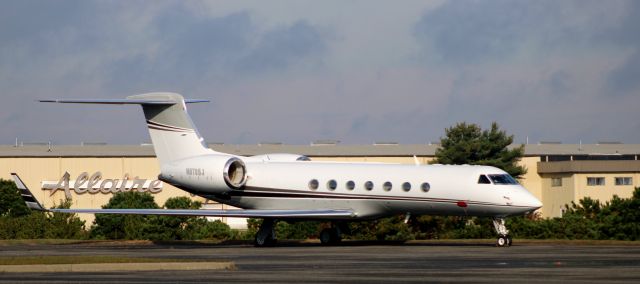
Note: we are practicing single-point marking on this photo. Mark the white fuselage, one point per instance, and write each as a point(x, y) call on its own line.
point(449, 189)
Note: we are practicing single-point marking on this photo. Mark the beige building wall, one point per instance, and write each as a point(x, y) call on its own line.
point(608, 190)
point(555, 198)
point(531, 180)
point(575, 187)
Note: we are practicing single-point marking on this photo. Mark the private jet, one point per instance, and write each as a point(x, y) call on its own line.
point(292, 187)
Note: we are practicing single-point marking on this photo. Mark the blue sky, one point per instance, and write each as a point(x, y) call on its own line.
point(298, 71)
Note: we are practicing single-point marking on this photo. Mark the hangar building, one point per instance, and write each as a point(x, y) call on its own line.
point(558, 174)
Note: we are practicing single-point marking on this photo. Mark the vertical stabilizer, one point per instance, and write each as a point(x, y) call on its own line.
point(173, 134)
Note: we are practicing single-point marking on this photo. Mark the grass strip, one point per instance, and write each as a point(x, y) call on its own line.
point(38, 242)
point(81, 259)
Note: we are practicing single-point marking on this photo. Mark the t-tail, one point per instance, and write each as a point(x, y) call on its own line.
point(173, 134)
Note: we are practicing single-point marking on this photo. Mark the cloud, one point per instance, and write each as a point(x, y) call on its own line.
point(188, 50)
point(195, 50)
point(469, 32)
point(463, 31)
point(623, 80)
point(283, 46)
point(23, 20)
point(296, 71)
point(540, 68)
point(110, 49)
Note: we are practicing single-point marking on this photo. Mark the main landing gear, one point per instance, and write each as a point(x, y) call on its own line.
point(504, 240)
point(330, 236)
point(266, 235)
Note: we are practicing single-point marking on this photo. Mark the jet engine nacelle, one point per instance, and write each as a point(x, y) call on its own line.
point(206, 174)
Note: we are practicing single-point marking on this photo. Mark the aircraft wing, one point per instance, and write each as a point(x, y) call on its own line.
point(243, 213)
point(33, 204)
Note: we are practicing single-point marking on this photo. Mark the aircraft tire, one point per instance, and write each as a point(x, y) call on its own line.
point(502, 241)
point(266, 242)
point(330, 236)
point(326, 237)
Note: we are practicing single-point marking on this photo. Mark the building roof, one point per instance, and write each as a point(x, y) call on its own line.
point(589, 167)
point(581, 149)
point(316, 150)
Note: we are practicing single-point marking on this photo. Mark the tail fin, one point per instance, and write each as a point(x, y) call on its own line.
point(26, 194)
point(172, 132)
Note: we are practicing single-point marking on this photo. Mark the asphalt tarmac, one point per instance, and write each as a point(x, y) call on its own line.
point(355, 262)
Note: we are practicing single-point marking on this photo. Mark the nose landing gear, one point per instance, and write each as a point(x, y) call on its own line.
point(504, 240)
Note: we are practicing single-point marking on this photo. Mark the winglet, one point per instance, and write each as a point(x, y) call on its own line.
point(27, 196)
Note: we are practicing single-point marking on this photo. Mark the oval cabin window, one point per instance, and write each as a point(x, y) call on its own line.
point(332, 184)
point(387, 186)
point(368, 185)
point(351, 185)
point(425, 187)
point(313, 184)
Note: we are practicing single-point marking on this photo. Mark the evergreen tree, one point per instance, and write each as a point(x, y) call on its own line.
point(18, 222)
point(469, 144)
point(11, 204)
point(64, 225)
point(130, 227)
point(186, 227)
point(176, 227)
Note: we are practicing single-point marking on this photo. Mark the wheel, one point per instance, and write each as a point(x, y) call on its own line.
point(502, 241)
point(264, 242)
point(259, 242)
point(509, 241)
point(326, 236)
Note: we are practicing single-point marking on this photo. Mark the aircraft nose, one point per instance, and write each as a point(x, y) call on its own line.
point(534, 203)
point(528, 200)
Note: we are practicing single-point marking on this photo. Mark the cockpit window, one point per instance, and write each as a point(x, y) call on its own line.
point(483, 180)
point(502, 179)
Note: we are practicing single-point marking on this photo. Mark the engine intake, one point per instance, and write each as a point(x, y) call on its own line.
point(235, 173)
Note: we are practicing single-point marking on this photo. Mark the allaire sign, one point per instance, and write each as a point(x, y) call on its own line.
point(95, 184)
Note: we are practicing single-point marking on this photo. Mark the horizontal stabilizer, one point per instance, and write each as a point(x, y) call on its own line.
point(173, 134)
point(121, 101)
